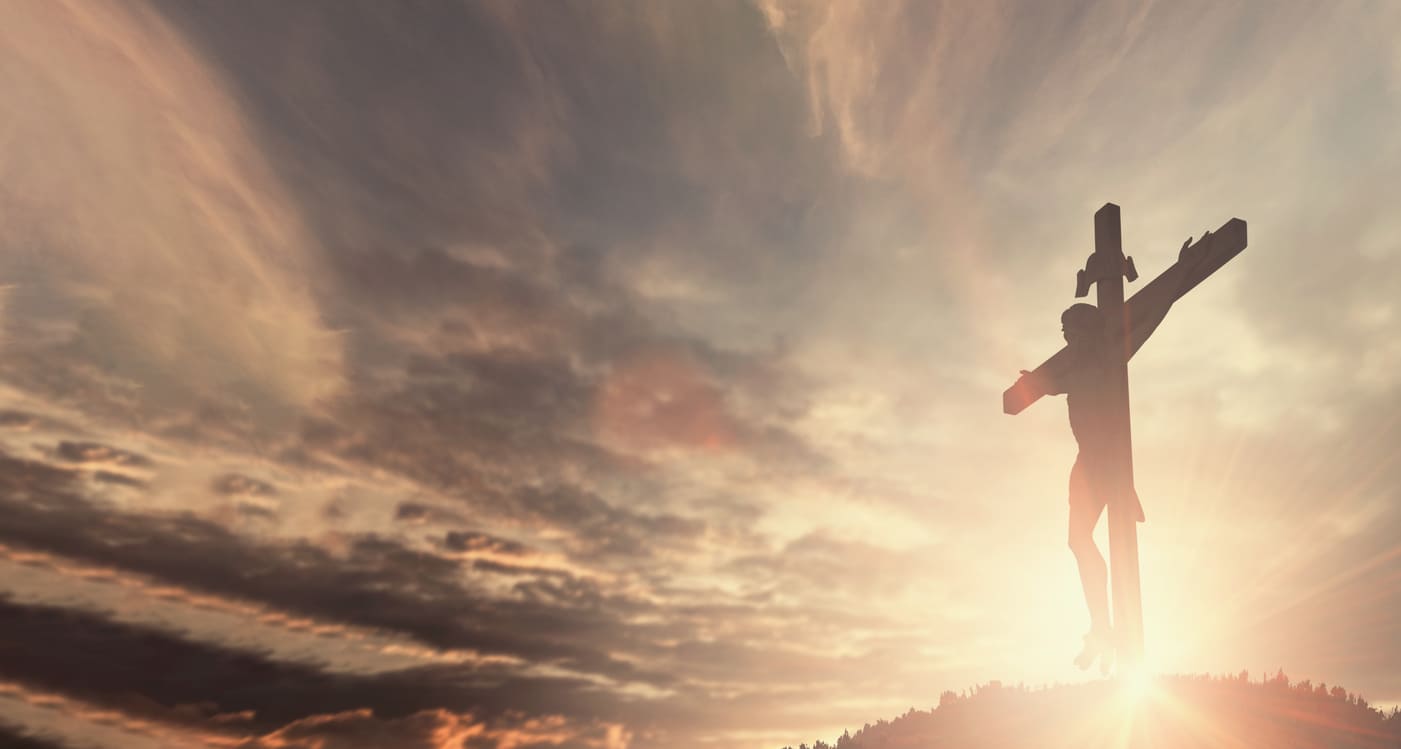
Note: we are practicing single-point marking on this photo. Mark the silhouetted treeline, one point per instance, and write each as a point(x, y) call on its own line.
point(1177, 712)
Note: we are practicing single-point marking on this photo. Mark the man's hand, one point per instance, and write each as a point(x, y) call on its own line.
point(1191, 254)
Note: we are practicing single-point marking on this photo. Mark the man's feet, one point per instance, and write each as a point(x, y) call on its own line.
point(1099, 646)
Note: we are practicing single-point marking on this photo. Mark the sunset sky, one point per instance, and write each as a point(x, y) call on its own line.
point(629, 375)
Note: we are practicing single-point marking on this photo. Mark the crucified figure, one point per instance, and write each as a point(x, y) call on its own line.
point(1086, 337)
point(1085, 376)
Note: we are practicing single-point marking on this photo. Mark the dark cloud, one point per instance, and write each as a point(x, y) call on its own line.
point(601, 528)
point(504, 568)
point(17, 420)
point(19, 738)
point(662, 394)
point(258, 512)
point(92, 453)
point(238, 485)
point(303, 76)
point(118, 479)
point(379, 584)
point(242, 693)
point(361, 729)
point(357, 728)
point(418, 512)
point(485, 247)
point(536, 193)
point(500, 429)
point(496, 432)
point(238, 693)
point(551, 617)
point(629, 133)
point(478, 541)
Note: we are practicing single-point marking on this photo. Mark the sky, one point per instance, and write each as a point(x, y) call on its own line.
point(629, 374)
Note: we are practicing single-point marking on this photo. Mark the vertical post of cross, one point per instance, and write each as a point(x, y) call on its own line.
point(1115, 461)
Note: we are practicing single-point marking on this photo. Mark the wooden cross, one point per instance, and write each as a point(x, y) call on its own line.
point(1128, 325)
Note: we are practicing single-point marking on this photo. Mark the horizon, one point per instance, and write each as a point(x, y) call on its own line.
point(1179, 711)
point(629, 375)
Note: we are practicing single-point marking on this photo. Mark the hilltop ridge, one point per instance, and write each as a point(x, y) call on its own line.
point(1170, 712)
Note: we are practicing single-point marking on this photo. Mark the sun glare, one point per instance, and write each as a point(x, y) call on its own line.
point(1137, 686)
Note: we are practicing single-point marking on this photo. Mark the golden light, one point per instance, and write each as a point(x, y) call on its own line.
point(1137, 686)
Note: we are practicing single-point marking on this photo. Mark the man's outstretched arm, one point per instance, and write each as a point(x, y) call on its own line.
point(1225, 243)
point(1150, 305)
point(1044, 381)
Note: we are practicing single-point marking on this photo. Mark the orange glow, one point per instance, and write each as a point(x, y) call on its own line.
point(662, 399)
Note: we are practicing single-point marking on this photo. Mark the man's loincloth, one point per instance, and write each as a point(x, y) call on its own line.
point(1084, 494)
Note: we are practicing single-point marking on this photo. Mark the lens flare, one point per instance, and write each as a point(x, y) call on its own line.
point(1137, 686)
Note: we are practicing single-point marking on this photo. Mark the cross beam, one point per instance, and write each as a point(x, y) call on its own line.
point(1214, 249)
point(1128, 325)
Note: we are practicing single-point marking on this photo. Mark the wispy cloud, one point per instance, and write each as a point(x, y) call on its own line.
point(149, 236)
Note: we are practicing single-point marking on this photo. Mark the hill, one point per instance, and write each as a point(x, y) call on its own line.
point(1170, 712)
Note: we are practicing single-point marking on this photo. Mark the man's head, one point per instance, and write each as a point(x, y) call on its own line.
point(1082, 325)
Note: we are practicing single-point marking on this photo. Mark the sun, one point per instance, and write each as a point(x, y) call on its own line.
point(1136, 685)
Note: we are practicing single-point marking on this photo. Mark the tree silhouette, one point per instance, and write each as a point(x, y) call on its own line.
point(1185, 711)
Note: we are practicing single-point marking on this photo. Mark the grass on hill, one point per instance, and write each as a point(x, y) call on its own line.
point(1167, 712)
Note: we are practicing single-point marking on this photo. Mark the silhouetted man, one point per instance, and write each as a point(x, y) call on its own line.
point(1087, 334)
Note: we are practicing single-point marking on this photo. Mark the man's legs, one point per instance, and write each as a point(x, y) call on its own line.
point(1094, 574)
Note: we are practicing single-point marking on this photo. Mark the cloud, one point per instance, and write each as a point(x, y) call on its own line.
point(238, 485)
point(379, 583)
point(150, 241)
point(438, 730)
point(149, 717)
point(834, 566)
point(227, 694)
point(119, 479)
point(232, 695)
point(419, 512)
point(96, 454)
point(19, 738)
point(17, 420)
point(477, 541)
point(583, 640)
